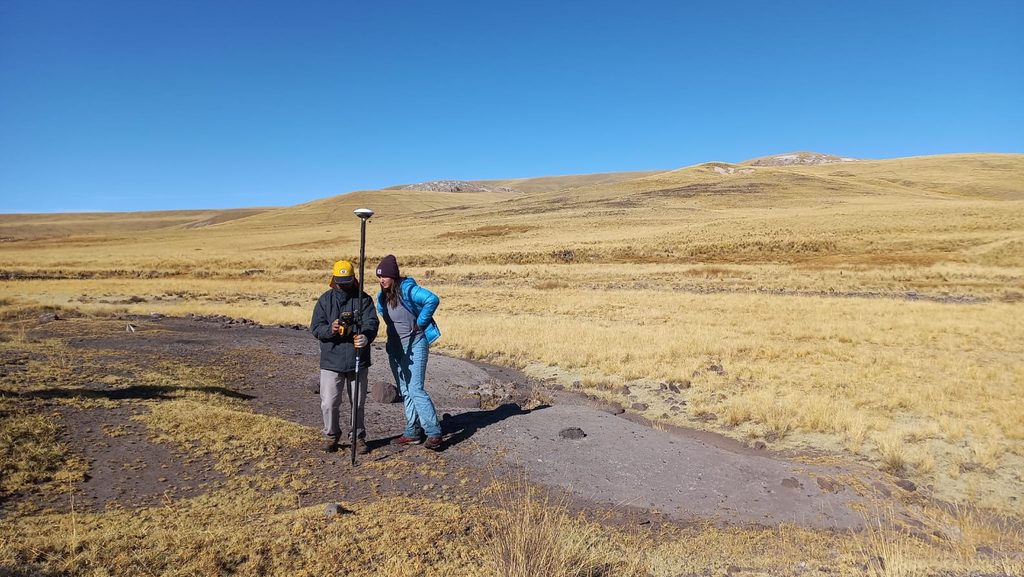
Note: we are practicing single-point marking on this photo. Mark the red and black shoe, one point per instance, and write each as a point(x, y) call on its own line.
point(405, 441)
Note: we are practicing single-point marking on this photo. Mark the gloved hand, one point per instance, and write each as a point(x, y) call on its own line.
point(359, 341)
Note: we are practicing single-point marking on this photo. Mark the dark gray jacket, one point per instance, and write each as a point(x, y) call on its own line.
point(336, 352)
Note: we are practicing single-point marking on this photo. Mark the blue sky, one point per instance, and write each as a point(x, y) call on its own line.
point(147, 105)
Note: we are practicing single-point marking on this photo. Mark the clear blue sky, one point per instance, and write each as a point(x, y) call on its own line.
point(165, 104)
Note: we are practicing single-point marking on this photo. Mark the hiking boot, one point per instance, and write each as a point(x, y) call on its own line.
point(331, 445)
point(403, 440)
point(361, 447)
point(434, 444)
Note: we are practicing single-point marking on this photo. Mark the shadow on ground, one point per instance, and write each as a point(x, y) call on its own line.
point(146, 392)
point(462, 426)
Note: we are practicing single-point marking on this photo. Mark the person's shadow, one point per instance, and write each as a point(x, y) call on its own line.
point(145, 392)
point(462, 426)
point(457, 428)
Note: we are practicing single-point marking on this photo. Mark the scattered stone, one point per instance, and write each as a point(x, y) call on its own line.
point(613, 409)
point(48, 318)
point(639, 406)
point(968, 467)
point(625, 391)
point(472, 402)
point(572, 433)
point(760, 445)
point(791, 483)
point(906, 485)
point(732, 570)
point(828, 485)
point(675, 408)
point(717, 368)
point(155, 316)
point(334, 510)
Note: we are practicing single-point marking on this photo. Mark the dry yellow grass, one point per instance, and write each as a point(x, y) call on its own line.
point(779, 293)
point(262, 524)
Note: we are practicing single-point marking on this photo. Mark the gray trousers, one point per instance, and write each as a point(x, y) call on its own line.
point(333, 388)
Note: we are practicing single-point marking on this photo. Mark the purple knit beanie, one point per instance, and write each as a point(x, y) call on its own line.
point(388, 267)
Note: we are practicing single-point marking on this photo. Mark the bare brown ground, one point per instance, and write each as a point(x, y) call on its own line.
point(496, 424)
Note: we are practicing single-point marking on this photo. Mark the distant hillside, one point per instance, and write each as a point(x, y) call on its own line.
point(527, 185)
point(454, 186)
point(14, 227)
point(791, 158)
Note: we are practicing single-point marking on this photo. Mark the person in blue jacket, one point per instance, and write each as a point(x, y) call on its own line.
point(408, 311)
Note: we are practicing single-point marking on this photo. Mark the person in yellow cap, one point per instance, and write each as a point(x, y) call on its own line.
point(334, 324)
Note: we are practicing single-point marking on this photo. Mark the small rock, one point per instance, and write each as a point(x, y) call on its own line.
point(466, 402)
point(791, 483)
point(572, 433)
point(969, 466)
point(613, 409)
point(48, 318)
point(828, 485)
point(717, 368)
point(760, 445)
point(675, 408)
point(985, 551)
point(625, 391)
point(639, 406)
point(906, 485)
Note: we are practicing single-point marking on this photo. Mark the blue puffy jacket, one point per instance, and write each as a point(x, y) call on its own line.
point(420, 302)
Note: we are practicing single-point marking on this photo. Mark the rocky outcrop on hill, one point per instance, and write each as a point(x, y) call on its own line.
point(455, 186)
point(798, 158)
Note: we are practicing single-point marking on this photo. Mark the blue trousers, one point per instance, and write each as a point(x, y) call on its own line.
point(409, 367)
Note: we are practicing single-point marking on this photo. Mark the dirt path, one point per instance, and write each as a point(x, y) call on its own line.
point(619, 463)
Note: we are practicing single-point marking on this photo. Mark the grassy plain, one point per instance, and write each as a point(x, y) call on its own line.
point(874, 310)
point(260, 517)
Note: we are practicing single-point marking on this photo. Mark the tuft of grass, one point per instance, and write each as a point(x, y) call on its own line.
point(236, 435)
point(885, 548)
point(892, 452)
point(531, 536)
point(31, 453)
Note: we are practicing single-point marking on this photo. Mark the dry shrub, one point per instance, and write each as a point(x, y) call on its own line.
point(885, 548)
point(237, 436)
point(30, 454)
point(533, 536)
point(892, 451)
